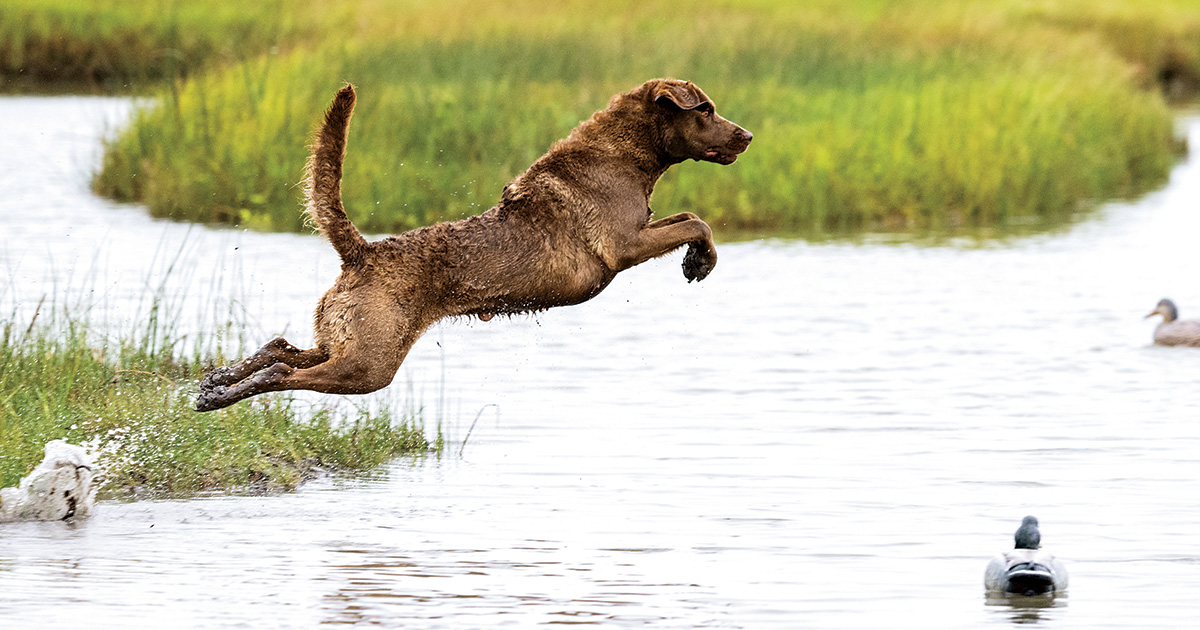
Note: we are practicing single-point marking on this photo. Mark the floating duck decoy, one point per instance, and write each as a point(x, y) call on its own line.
point(1174, 331)
point(1026, 569)
point(59, 488)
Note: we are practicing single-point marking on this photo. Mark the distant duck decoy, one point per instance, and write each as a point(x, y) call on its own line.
point(1026, 569)
point(1174, 331)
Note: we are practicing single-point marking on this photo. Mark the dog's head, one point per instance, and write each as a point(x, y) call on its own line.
point(692, 128)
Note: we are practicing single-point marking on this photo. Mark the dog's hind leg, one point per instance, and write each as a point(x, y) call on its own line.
point(365, 356)
point(362, 371)
point(333, 377)
point(277, 350)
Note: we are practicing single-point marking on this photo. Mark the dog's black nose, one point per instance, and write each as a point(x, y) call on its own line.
point(746, 135)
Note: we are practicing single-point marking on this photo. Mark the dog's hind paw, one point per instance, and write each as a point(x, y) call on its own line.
point(211, 398)
point(217, 377)
point(699, 261)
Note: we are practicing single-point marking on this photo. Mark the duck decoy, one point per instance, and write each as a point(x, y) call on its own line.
point(1026, 569)
point(61, 487)
point(1174, 331)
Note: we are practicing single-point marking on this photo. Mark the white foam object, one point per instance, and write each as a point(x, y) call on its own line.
point(59, 488)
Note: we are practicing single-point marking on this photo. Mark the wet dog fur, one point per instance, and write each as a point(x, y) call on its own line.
point(562, 231)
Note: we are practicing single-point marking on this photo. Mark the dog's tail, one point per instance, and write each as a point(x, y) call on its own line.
point(323, 181)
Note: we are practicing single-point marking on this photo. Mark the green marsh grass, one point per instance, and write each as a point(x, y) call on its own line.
point(129, 399)
point(116, 45)
point(868, 114)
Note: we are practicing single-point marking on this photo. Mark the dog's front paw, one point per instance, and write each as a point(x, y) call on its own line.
point(699, 261)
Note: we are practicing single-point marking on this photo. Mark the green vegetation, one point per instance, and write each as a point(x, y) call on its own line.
point(129, 400)
point(114, 45)
point(868, 114)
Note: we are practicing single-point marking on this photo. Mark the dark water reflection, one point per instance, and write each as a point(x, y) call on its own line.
point(819, 435)
point(1026, 610)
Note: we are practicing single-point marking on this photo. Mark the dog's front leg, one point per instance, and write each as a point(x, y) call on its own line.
point(672, 220)
point(668, 234)
point(701, 256)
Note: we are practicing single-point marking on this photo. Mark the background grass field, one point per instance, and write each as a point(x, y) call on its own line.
point(868, 114)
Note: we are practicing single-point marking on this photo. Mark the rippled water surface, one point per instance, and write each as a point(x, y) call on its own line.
point(816, 436)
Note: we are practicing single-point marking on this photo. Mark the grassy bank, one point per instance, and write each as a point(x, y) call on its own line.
point(867, 114)
point(114, 45)
point(129, 401)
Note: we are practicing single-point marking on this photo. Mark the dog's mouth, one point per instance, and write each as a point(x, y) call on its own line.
point(728, 153)
point(721, 155)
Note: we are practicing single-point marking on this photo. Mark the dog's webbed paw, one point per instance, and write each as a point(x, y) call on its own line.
point(211, 398)
point(699, 261)
point(217, 377)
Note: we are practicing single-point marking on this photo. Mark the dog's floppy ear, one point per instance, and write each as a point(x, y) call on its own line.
point(681, 95)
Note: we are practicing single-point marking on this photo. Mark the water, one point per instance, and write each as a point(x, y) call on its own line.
point(816, 436)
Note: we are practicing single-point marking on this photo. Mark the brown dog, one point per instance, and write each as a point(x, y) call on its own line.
point(562, 230)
